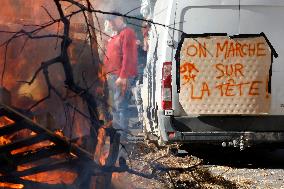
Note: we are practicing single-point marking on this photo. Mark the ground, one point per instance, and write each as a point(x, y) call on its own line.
point(211, 168)
point(250, 169)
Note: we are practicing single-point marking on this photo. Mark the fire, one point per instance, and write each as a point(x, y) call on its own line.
point(32, 147)
point(12, 186)
point(101, 153)
point(53, 177)
point(5, 121)
point(24, 95)
point(50, 177)
point(119, 181)
point(4, 141)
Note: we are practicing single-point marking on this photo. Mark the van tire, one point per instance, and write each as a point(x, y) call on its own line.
point(172, 150)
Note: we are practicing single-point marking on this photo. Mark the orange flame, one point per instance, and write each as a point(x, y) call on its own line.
point(5, 121)
point(23, 95)
point(12, 186)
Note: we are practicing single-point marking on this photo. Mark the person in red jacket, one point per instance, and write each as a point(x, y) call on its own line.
point(120, 64)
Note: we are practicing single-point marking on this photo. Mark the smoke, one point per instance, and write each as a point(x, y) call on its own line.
point(122, 6)
point(25, 56)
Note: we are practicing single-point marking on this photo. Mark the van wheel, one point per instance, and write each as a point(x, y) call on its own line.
point(172, 150)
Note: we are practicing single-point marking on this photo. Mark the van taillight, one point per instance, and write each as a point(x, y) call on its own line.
point(167, 86)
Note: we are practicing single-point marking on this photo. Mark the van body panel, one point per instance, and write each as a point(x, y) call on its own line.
point(157, 54)
point(262, 2)
point(209, 2)
point(193, 18)
point(264, 16)
point(250, 17)
point(212, 16)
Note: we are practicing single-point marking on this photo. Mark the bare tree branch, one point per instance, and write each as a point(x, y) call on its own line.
point(44, 65)
point(48, 13)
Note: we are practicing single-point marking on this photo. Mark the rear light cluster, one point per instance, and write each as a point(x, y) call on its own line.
point(171, 135)
point(167, 86)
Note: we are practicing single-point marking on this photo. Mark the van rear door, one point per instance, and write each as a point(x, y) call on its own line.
point(210, 16)
point(266, 16)
point(205, 16)
point(240, 17)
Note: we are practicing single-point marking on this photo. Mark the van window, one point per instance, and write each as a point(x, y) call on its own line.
point(210, 19)
point(266, 18)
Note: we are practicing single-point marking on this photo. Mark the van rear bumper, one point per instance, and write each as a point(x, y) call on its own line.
point(223, 130)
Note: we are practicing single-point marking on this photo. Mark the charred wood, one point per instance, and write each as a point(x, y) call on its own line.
point(32, 184)
point(62, 164)
point(22, 121)
point(22, 143)
point(9, 129)
point(35, 155)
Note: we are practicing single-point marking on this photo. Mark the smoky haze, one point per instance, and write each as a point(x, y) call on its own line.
point(122, 6)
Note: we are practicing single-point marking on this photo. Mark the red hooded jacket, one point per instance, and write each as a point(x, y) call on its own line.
point(121, 54)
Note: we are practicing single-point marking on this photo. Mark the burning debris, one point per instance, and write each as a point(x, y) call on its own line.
point(49, 156)
point(35, 152)
point(39, 158)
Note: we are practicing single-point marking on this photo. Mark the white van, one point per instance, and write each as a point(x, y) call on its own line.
point(215, 74)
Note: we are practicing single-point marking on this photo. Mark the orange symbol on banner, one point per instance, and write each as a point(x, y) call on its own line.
point(188, 70)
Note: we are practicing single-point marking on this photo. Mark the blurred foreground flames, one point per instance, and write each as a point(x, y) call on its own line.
point(23, 59)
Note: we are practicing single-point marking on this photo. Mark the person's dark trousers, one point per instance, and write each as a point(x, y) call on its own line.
point(120, 104)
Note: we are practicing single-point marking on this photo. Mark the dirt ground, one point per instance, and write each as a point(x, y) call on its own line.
point(221, 170)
